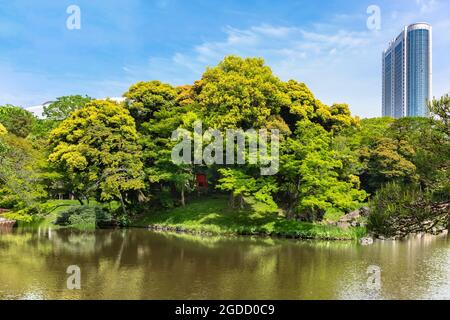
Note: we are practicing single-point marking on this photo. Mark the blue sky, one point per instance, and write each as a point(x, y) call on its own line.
point(325, 44)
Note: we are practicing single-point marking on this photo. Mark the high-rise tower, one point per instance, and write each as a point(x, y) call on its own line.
point(407, 72)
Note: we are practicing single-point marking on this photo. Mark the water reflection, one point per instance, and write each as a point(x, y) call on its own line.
point(138, 264)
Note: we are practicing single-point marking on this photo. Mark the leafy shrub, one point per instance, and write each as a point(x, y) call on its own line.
point(398, 210)
point(21, 215)
point(333, 215)
point(8, 200)
point(84, 217)
point(166, 199)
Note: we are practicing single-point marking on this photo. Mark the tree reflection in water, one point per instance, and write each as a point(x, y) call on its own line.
point(139, 264)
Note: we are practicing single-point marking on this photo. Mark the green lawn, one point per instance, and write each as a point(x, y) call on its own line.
point(52, 208)
point(212, 215)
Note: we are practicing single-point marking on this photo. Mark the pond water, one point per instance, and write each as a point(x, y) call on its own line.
point(139, 264)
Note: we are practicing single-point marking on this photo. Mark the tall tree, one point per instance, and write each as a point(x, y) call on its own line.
point(159, 109)
point(64, 106)
point(146, 98)
point(388, 160)
point(239, 93)
point(96, 148)
point(16, 120)
point(309, 175)
point(303, 105)
point(441, 109)
point(22, 168)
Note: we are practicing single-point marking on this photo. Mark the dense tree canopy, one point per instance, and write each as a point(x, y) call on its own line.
point(330, 162)
point(16, 120)
point(239, 93)
point(96, 148)
point(22, 173)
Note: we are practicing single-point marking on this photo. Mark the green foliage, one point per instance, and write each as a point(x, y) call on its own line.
point(84, 217)
point(441, 109)
point(389, 160)
point(24, 215)
point(22, 169)
point(42, 128)
point(64, 106)
point(96, 149)
point(213, 215)
point(244, 186)
point(3, 130)
point(146, 98)
point(239, 93)
point(310, 169)
point(160, 109)
point(16, 120)
point(398, 210)
point(304, 106)
point(3, 146)
point(333, 214)
point(330, 161)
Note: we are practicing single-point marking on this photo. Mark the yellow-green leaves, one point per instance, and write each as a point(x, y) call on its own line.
point(239, 93)
point(97, 149)
point(146, 98)
point(3, 130)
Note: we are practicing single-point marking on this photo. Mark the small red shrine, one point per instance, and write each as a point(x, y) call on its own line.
point(202, 181)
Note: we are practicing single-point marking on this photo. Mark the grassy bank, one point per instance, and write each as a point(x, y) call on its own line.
point(212, 215)
point(52, 209)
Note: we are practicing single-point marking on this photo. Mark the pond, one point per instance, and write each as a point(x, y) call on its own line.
point(140, 264)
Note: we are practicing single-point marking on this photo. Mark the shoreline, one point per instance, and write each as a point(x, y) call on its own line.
point(181, 230)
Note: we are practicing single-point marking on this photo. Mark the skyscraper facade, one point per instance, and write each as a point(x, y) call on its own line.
point(407, 73)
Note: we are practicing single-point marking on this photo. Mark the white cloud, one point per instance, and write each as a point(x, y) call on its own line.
point(31, 89)
point(338, 62)
point(331, 62)
point(426, 5)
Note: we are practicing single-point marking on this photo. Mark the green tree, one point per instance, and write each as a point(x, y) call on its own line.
point(441, 144)
point(160, 109)
point(16, 120)
point(398, 210)
point(388, 160)
point(96, 148)
point(239, 93)
point(303, 105)
point(243, 187)
point(310, 175)
point(146, 98)
point(42, 128)
point(441, 109)
point(64, 106)
point(22, 169)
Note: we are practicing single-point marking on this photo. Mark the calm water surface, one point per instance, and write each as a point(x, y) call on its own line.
point(139, 264)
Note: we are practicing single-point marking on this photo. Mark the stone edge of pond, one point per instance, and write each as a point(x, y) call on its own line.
point(181, 230)
point(364, 241)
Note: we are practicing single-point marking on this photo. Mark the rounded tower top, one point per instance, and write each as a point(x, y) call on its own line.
point(419, 26)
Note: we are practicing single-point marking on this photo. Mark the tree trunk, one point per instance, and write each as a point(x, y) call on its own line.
point(241, 201)
point(182, 197)
point(122, 202)
point(79, 200)
point(231, 204)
